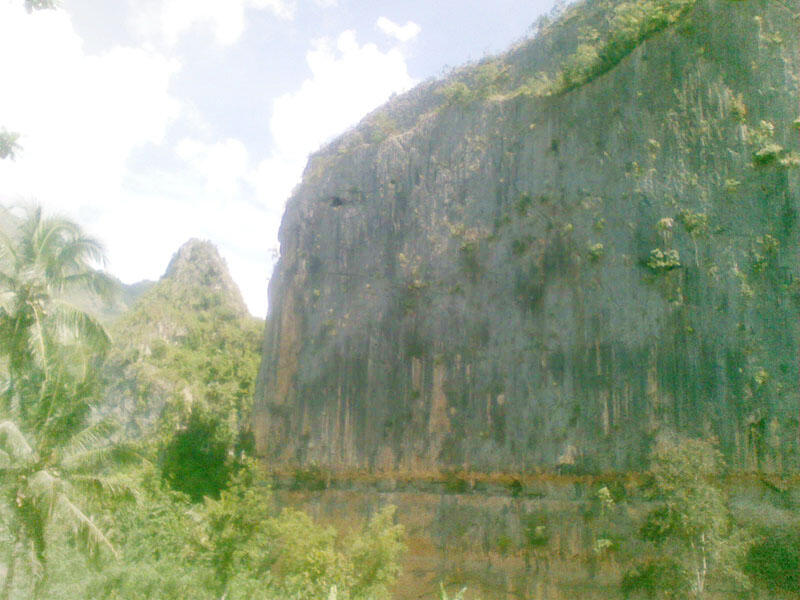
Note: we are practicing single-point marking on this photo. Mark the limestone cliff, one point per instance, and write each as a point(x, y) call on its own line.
point(542, 262)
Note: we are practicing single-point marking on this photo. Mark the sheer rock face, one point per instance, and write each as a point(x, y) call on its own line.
point(516, 282)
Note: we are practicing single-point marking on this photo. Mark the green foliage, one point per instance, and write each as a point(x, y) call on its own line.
point(663, 578)
point(596, 252)
point(40, 260)
point(375, 555)
point(696, 224)
point(51, 454)
point(767, 154)
point(236, 530)
point(8, 144)
point(662, 261)
point(766, 151)
point(159, 540)
point(763, 252)
point(738, 108)
point(196, 461)
point(629, 24)
point(237, 547)
point(256, 554)
point(690, 528)
point(535, 531)
point(523, 204)
point(537, 85)
point(477, 85)
point(579, 66)
point(457, 93)
point(381, 126)
point(190, 356)
point(774, 561)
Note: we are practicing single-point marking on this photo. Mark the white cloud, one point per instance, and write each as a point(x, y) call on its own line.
point(403, 33)
point(347, 81)
point(84, 116)
point(223, 165)
point(169, 19)
point(326, 3)
point(80, 115)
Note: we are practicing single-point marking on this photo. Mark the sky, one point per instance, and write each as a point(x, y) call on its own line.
point(150, 122)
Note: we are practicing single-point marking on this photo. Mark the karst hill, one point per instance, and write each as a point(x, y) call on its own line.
point(547, 258)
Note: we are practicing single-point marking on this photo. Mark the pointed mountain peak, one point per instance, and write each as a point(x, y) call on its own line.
point(198, 264)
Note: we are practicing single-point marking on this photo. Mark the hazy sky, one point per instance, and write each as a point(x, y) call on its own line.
point(153, 121)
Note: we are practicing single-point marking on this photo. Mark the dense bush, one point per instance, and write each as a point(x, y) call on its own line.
point(774, 561)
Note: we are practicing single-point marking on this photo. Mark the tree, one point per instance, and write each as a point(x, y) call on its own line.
point(8, 144)
point(691, 528)
point(195, 460)
point(41, 260)
point(48, 449)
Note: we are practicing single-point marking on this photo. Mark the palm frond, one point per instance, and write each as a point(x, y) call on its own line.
point(97, 282)
point(6, 298)
point(90, 438)
point(7, 251)
point(14, 444)
point(82, 525)
point(94, 459)
point(37, 344)
point(112, 487)
point(44, 490)
point(71, 322)
point(79, 249)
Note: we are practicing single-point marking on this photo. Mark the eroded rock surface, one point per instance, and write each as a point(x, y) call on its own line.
point(509, 282)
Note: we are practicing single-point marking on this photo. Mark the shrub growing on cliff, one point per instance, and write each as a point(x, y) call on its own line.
point(661, 261)
point(630, 24)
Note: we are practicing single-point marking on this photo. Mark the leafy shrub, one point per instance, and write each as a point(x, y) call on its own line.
point(662, 261)
point(767, 154)
point(774, 561)
point(664, 578)
point(479, 84)
point(375, 556)
point(196, 459)
point(382, 126)
point(596, 252)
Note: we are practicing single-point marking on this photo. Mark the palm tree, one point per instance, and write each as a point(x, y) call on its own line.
point(51, 351)
point(40, 486)
point(41, 260)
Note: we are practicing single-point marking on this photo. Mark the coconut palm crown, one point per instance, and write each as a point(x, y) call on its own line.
point(51, 448)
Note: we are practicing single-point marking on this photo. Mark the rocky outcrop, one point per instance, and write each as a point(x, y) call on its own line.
point(187, 341)
point(200, 270)
point(488, 277)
